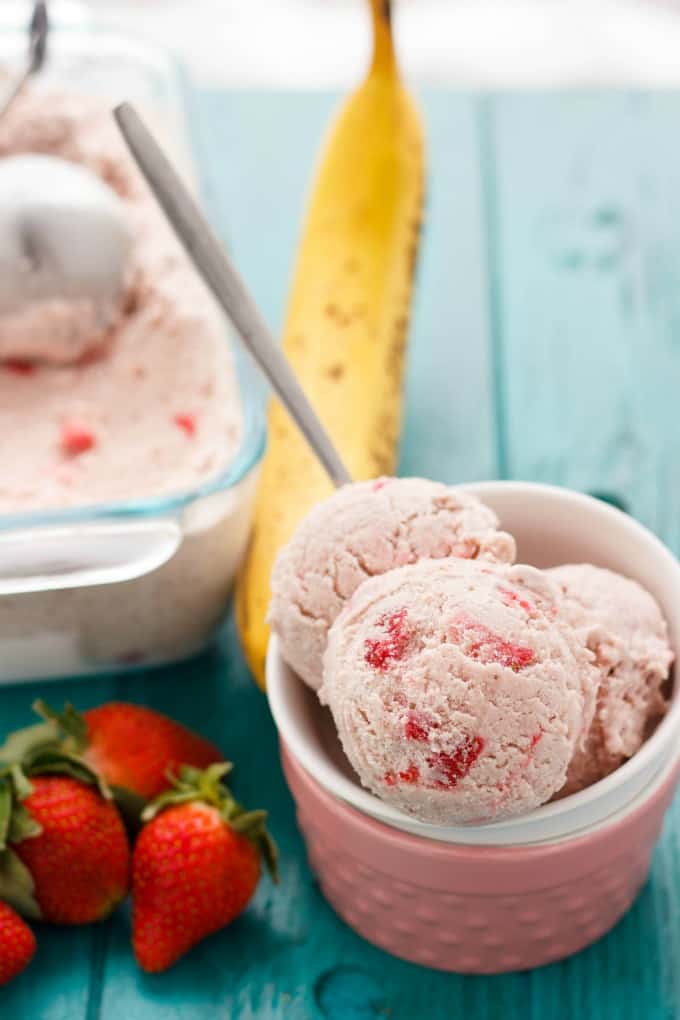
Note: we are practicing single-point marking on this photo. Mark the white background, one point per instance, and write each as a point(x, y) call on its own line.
point(492, 43)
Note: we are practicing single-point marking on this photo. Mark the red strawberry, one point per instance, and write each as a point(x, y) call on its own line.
point(131, 746)
point(17, 944)
point(77, 854)
point(195, 866)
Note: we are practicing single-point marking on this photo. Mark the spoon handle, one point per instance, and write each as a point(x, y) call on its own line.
point(209, 257)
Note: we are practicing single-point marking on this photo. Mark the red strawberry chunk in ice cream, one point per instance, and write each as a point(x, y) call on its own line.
point(380, 652)
point(416, 727)
point(535, 740)
point(513, 598)
point(410, 775)
point(19, 366)
point(77, 439)
point(447, 768)
point(186, 422)
point(483, 645)
point(452, 767)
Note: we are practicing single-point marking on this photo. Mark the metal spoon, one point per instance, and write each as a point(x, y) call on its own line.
point(211, 261)
point(38, 30)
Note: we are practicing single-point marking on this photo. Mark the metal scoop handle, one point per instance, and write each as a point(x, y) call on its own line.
point(211, 261)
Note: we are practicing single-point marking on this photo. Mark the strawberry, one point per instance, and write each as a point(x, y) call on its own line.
point(195, 866)
point(79, 861)
point(17, 944)
point(132, 747)
point(64, 855)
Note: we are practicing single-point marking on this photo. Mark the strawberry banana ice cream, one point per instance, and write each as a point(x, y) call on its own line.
point(623, 626)
point(154, 408)
point(364, 530)
point(458, 692)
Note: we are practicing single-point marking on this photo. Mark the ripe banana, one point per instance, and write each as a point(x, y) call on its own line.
point(347, 316)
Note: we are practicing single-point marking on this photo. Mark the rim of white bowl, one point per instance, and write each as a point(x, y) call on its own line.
point(551, 821)
point(626, 809)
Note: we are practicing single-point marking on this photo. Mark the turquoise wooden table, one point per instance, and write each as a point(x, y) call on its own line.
point(545, 345)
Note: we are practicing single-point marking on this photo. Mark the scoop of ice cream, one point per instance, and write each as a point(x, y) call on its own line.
point(64, 247)
point(624, 628)
point(458, 694)
point(363, 530)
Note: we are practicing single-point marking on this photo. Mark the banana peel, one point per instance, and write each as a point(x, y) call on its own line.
point(347, 317)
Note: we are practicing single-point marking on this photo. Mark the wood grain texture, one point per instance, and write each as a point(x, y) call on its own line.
point(450, 422)
point(543, 345)
point(584, 216)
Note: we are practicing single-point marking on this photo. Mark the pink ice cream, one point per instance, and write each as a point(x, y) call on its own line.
point(458, 692)
point(155, 409)
point(361, 531)
point(623, 626)
point(65, 243)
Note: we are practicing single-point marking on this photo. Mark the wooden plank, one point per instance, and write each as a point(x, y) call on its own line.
point(583, 229)
point(584, 233)
point(449, 423)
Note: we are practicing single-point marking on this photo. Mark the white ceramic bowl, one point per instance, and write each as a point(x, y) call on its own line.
point(551, 526)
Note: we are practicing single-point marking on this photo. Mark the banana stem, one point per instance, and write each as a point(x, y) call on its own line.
point(383, 43)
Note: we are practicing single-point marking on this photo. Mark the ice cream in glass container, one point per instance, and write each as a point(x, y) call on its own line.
point(131, 432)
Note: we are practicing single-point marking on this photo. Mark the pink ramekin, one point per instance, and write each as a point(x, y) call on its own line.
point(473, 909)
point(509, 895)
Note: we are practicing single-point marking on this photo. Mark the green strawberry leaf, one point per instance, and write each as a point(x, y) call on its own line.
point(22, 825)
point(23, 742)
point(70, 723)
point(168, 799)
point(22, 787)
point(16, 822)
point(188, 776)
point(5, 811)
point(210, 786)
point(194, 785)
point(16, 885)
point(247, 822)
point(270, 854)
point(207, 778)
point(253, 825)
point(57, 761)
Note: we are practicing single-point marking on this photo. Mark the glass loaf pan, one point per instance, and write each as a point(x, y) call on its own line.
point(139, 583)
